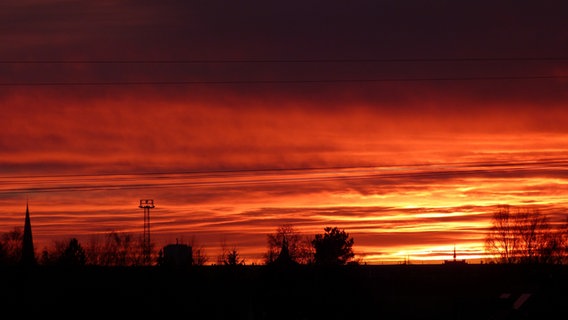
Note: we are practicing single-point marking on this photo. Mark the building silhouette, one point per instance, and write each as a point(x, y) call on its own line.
point(28, 251)
point(284, 258)
point(177, 256)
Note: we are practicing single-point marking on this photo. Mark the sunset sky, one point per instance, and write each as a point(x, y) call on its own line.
point(405, 123)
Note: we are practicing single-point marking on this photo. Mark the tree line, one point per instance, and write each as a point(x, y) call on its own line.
point(516, 236)
point(116, 249)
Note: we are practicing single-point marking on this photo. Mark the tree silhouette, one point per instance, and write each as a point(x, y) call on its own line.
point(73, 255)
point(555, 249)
point(3, 254)
point(299, 248)
point(230, 257)
point(200, 257)
point(11, 246)
point(334, 247)
point(199, 254)
point(233, 258)
point(118, 249)
point(525, 236)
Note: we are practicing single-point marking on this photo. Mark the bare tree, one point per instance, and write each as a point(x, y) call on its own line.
point(200, 257)
point(94, 251)
point(501, 241)
point(532, 229)
point(119, 249)
point(11, 246)
point(299, 247)
point(554, 248)
point(524, 236)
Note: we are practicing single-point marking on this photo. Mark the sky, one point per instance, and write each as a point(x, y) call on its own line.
point(405, 123)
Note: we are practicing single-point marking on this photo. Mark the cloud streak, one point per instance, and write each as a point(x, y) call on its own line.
point(399, 208)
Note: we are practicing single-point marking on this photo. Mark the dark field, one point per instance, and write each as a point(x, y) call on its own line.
point(261, 292)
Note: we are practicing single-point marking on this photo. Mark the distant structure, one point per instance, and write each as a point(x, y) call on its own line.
point(28, 252)
point(146, 204)
point(454, 261)
point(177, 256)
point(284, 258)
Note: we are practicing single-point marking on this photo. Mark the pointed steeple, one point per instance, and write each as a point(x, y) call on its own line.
point(28, 252)
point(284, 258)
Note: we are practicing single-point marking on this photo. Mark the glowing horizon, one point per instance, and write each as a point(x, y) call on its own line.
point(240, 208)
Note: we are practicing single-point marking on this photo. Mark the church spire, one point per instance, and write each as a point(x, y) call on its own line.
point(284, 258)
point(28, 252)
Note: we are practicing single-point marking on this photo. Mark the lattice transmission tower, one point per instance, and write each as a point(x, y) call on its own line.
point(146, 204)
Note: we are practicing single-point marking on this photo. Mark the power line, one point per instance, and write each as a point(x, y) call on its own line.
point(503, 163)
point(260, 61)
point(245, 82)
point(102, 182)
point(28, 83)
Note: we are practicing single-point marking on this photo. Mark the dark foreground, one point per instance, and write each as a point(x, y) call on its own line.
point(261, 292)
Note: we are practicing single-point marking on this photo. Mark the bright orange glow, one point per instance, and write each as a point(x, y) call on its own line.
point(396, 219)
